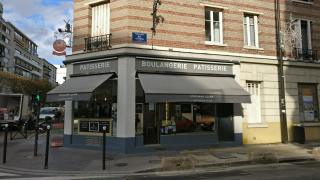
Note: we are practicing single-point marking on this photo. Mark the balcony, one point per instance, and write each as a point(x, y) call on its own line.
point(98, 43)
point(309, 55)
point(16, 54)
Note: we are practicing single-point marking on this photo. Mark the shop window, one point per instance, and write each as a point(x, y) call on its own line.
point(308, 102)
point(254, 109)
point(250, 29)
point(139, 119)
point(213, 26)
point(187, 118)
point(89, 117)
point(100, 19)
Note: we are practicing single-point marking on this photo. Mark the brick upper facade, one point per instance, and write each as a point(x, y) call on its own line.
point(184, 25)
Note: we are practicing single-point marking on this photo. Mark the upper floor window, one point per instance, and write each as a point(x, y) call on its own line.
point(303, 28)
point(18, 52)
point(17, 35)
point(4, 39)
point(100, 19)
point(213, 26)
point(250, 29)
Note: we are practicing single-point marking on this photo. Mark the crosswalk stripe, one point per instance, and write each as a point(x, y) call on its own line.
point(7, 174)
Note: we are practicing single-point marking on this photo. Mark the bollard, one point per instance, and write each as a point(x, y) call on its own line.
point(35, 153)
point(10, 128)
point(104, 148)
point(47, 148)
point(5, 141)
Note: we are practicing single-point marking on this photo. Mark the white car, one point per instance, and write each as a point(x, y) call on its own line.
point(54, 112)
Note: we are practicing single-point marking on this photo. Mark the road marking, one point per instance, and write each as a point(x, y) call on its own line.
point(7, 174)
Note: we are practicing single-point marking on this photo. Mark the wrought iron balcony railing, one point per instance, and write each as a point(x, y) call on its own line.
point(306, 54)
point(98, 43)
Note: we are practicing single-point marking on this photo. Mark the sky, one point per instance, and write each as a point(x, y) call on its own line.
point(39, 19)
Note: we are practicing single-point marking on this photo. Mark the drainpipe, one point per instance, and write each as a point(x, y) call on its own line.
point(281, 77)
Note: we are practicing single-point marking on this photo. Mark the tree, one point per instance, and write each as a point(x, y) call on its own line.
point(23, 85)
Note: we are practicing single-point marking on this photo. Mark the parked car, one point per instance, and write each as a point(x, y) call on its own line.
point(55, 113)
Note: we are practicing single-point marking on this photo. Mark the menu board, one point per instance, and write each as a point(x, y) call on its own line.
point(104, 123)
point(94, 126)
point(84, 126)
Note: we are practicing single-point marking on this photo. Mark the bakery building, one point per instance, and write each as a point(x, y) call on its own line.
point(171, 101)
point(210, 75)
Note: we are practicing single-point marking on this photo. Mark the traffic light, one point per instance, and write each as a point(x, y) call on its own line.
point(36, 97)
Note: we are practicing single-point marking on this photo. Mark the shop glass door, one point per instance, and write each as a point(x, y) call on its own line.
point(225, 122)
point(150, 132)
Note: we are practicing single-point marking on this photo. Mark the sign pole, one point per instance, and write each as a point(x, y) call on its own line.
point(104, 148)
point(36, 131)
point(47, 148)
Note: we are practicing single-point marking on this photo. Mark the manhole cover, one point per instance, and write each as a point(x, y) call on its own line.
point(121, 164)
point(154, 161)
point(223, 155)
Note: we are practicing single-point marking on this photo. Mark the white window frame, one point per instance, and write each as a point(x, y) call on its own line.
point(247, 29)
point(299, 40)
point(97, 11)
point(303, 2)
point(212, 42)
point(254, 110)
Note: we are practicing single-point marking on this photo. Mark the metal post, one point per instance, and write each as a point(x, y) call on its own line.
point(26, 129)
point(10, 126)
point(104, 148)
point(36, 131)
point(47, 148)
point(5, 141)
point(282, 96)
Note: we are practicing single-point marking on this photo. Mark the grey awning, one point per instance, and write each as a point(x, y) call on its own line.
point(180, 88)
point(77, 88)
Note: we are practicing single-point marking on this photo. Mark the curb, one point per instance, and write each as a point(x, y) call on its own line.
point(241, 163)
point(150, 171)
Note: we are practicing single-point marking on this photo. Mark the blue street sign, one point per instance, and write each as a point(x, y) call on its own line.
point(138, 37)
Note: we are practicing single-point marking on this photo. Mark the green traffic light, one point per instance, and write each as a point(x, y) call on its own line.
point(38, 98)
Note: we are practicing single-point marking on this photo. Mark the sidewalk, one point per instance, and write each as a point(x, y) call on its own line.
point(64, 161)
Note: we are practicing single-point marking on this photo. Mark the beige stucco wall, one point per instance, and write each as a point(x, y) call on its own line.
point(267, 75)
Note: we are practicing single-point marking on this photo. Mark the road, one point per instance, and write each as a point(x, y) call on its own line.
point(290, 171)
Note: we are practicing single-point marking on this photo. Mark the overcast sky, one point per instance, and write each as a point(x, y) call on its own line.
point(39, 19)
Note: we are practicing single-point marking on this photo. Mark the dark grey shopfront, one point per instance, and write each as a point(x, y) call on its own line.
point(187, 104)
point(178, 104)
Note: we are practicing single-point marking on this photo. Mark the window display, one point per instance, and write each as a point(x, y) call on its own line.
point(186, 118)
point(89, 117)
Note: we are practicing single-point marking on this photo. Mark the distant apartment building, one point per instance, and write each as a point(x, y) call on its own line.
point(49, 72)
point(210, 74)
point(19, 54)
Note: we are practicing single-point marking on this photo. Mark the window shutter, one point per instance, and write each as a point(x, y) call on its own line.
point(100, 20)
point(254, 109)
